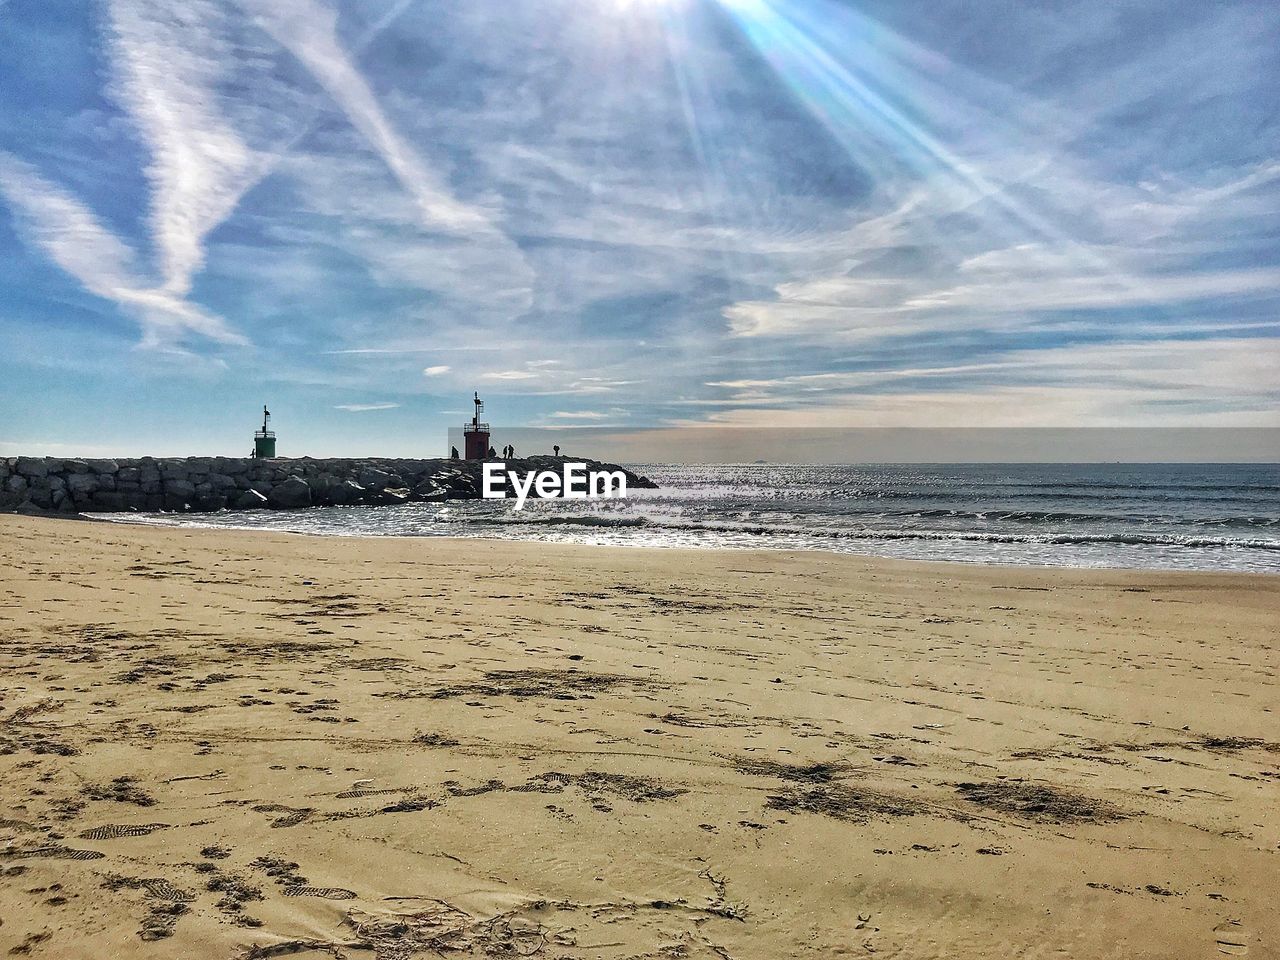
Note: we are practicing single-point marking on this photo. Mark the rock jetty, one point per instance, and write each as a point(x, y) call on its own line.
point(205, 484)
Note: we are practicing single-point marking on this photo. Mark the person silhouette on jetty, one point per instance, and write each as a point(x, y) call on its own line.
point(556, 448)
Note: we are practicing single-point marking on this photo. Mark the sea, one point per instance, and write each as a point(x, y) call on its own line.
point(1150, 516)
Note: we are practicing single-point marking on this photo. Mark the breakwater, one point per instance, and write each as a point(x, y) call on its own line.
point(202, 484)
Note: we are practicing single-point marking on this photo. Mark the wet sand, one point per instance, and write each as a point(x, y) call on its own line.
point(235, 745)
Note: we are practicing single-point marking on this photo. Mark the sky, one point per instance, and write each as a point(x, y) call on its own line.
point(626, 214)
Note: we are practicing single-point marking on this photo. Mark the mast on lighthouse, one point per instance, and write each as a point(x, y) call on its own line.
point(475, 435)
point(264, 440)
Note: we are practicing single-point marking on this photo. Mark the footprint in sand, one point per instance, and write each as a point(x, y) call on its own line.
point(52, 853)
point(113, 831)
point(292, 815)
point(328, 893)
point(1231, 938)
point(162, 889)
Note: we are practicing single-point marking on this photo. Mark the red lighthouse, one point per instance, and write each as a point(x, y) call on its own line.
point(475, 434)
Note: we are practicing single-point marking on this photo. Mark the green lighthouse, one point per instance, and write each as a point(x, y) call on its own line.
point(264, 440)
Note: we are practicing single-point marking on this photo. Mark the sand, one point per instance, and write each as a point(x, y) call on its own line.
point(232, 745)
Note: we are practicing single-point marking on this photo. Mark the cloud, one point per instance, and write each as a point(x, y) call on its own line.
point(76, 241)
point(1219, 382)
point(167, 61)
point(981, 202)
point(308, 29)
point(580, 415)
point(364, 407)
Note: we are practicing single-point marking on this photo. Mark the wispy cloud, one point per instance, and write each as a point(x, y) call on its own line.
point(167, 61)
point(436, 371)
point(1227, 382)
point(580, 415)
point(78, 242)
point(308, 29)
point(365, 407)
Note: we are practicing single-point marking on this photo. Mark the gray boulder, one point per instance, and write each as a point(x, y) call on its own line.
point(392, 495)
point(346, 492)
point(82, 484)
point(32, 467)
point(290, 494)
point(210, 502)
point(249, 500)
point(40, 492)
point(428, 491)
point(373, 478)
point(180, 488)
point(112, 500)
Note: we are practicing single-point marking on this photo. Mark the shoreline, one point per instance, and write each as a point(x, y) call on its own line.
point(714, 548)
point(309, 743)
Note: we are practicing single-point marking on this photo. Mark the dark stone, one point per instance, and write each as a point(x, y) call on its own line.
point(210, 502)
point(391, 495)
point(83, 484)
point(347, 492)
point(184, 489)
point(32, 467)
point(40, 492)
point(111, 500)
point(250, 500)
point(428, 491)
point(373, 479)
point(290, 495)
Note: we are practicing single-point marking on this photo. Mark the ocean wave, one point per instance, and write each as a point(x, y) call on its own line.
point(796, 531)
point(1057, 516)
point(992, 492)
point(572, 519)
point(971, 536)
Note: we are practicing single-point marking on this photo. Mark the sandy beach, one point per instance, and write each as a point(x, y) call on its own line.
point(233, 745)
